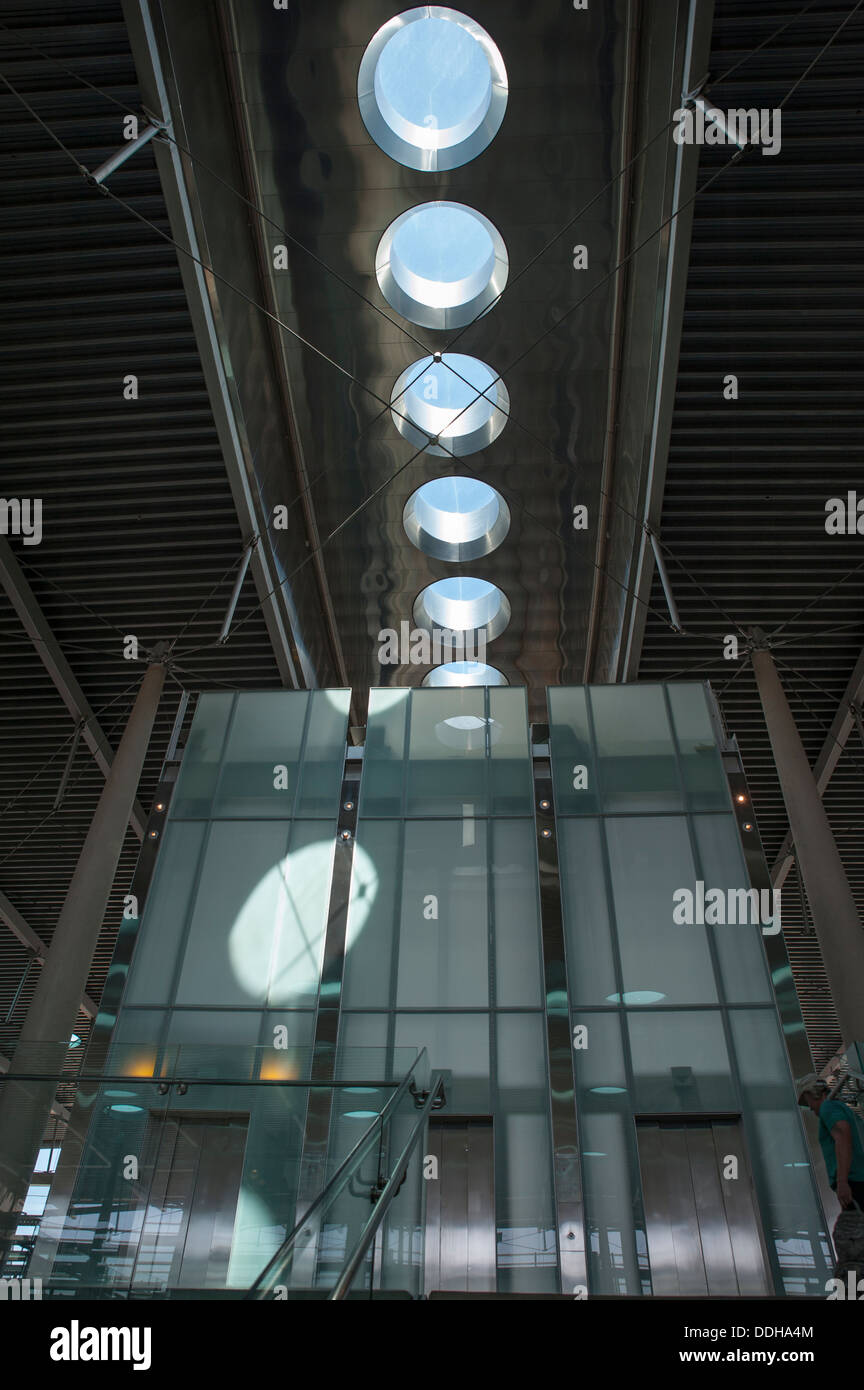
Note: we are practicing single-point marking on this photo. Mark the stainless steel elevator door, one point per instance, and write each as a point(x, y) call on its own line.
point(189, 1224)
point(460, 1206)
point(702, 1227)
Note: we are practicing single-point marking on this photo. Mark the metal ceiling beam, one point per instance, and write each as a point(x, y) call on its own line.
point(36, 625)
point(27, 936)
point(178, 189)
point(697, 45)
point(60, 1112)
point(829, 756)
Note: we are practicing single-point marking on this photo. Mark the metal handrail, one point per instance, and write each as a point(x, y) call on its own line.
point(342, 1175)
point(391, 1187)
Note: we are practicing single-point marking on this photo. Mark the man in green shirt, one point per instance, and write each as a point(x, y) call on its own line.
point(839, 1141)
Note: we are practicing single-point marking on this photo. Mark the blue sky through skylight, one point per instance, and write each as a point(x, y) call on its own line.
point(433, 74)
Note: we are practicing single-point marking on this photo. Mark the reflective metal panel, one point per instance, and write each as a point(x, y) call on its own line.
point(703, 1232)
point(460, 1206)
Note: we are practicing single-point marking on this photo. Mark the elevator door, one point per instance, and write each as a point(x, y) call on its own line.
point(189, 1223)
point(460, 1206)
point(702, 1227)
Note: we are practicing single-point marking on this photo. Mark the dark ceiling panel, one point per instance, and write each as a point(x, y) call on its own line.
point(775, 296)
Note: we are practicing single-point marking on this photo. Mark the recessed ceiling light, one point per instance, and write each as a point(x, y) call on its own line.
point(461, 673)
point(456, 518)
point(463, 604)
point(432, 88)
point(458, 401)
point(441, 265)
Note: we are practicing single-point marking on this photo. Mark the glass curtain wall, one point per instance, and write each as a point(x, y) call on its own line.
point(443, 942)
point(223, 986)
point(672, 1005)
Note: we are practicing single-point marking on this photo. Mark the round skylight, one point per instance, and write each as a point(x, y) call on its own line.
point(464, 673)
point(463, 604)
point(432, 88)
point(456, 518)
point(441, 265)
point(457, 400)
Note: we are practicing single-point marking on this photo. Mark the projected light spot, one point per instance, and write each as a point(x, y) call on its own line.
point(360, 1115)
point(364, 890)
point(458, 401)
point(463, 604)
point(432, 88)
point(461, 673)
point(276, 942)
point(608, 1090)
point(456, 518)
point(468, 732)
point(441, 265)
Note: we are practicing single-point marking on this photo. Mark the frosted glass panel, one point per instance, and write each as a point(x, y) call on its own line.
point(375, 892)
point(301, 915)
point(607, 1152)
point(650, 859)
point(523, 1157)
point(443, 958)
point(381, 786)
point(199, 769)
point(511, 780)
point(610, 1179)
point(590, 965)
point(323, 754)
point(740, 949)
point(791, 1213)
point(161, 932)
point(518, 959)
point(701, 764)
point(240, 898)
point(459, 1042)
point(598, 1061)
point(574, 772)
point(680, 1062)
point(259, 772)
point(447, 759)
point(636, 755)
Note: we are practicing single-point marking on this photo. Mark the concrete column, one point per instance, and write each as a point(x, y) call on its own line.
point(835, 916)
point(50, 1022)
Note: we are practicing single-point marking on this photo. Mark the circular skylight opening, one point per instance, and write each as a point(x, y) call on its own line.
point(458, 673)
point(456, 518)
point(463, 604)
point(432, 88)
point(441, 265)
point(459, 401)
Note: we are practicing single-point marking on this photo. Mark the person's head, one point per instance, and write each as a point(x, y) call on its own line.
point(812, 1091)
